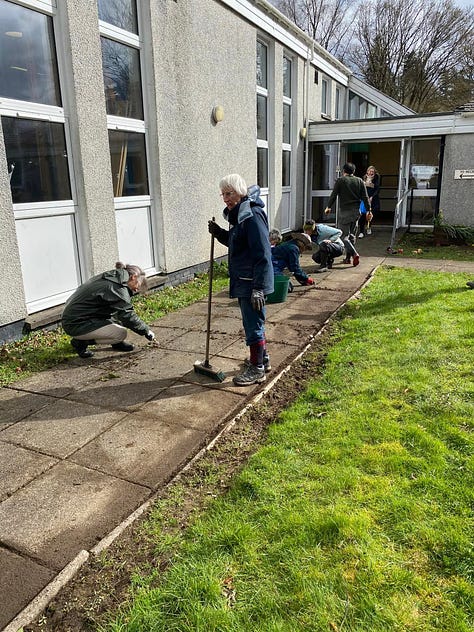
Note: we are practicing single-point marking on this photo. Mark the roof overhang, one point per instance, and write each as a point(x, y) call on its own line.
point(394, 127)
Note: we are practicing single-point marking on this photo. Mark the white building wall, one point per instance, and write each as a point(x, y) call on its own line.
point(85, 107)
point(12, 305)
point(204, 55)
point(457, 195)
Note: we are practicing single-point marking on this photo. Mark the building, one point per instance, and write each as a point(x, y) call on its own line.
point(119, 117)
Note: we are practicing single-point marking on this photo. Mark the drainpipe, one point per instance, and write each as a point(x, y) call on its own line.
point(440, 174)
point(306, 140)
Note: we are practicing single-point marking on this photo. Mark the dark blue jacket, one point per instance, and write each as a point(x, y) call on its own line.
point(250, 260)
point(287, 255)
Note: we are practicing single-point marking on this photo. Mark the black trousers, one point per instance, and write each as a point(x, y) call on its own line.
point(327, 253)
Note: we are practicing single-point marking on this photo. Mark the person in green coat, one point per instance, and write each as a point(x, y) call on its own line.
point(100, 311)
point(350, 190)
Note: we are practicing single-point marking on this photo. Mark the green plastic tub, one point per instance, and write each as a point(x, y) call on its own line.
point(280, 291)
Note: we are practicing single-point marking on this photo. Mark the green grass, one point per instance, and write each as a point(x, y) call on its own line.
point(42, 350)
point(356, 515)
point(423, 246)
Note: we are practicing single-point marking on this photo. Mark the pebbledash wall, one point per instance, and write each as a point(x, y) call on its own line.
point(123, 163)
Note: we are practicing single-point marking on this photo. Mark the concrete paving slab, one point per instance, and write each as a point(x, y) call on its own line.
point(16, 405)
point(148, 447)
point(196, 343)
point(62, 380)
point(65, 510)
point(61, 428)
point(21, 580)
point(19, 466)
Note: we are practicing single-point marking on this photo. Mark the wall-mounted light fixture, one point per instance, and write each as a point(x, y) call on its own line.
point(218, 113)
point(303, 132)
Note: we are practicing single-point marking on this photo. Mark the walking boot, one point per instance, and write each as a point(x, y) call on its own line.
point(123, 346)
point(251, 375)
point(80, 347)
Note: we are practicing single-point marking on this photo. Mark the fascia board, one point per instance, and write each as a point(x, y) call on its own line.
point(391, 128)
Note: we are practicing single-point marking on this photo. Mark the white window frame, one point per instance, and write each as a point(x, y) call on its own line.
point(289, 101)
point(325, 96)
point(264, 92)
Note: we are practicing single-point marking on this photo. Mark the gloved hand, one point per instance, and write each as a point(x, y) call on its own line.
point(257, 299)
point(150, 335)
point(213, 227)
point(309, 281)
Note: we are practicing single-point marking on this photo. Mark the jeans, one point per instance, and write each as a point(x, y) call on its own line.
point(253, 321)
point(327, 253)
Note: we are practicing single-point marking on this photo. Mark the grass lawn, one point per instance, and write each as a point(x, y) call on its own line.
point(423, 246)
point(356, 514)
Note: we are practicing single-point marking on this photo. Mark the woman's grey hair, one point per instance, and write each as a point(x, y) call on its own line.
point(235, 183)
point(275, 235)
point(134, 270)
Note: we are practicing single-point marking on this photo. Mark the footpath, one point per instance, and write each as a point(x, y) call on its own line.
point(86, 445)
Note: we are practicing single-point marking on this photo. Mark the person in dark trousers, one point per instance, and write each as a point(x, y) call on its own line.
point(329, 243)
point(350, 190)
point(250, 268)
point(100, 311)
point(287, 256)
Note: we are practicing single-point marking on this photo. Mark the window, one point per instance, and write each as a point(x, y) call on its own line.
point(338, 105)
point(37, 160)
point(286, 132)
point(121, 67)
point(325, 97)
point(262, 114)
point(28, 66)
point(32, 117)
point(120, 13)
point(129, 171)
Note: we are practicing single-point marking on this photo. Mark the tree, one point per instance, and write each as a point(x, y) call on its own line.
point(328, 22)
point(416, 51)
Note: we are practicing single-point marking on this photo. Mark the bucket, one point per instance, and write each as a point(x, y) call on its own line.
point(280, 291)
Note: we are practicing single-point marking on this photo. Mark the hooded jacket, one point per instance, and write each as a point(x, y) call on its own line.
point(100, 301)
point(250, 260)
point(287, 255)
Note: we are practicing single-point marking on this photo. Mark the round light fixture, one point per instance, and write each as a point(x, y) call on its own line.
point(218, 113)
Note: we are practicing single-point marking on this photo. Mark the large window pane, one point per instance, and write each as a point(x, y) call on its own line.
point(37, 160)
point(261, 65)
point(28, 66)
point(121, 13)
point(261, 117)
point(324, 166)
point(262, 167)
point(286, 77)
point(286, 123)
point(128, 157)
point(121, 68)
point(286, 169)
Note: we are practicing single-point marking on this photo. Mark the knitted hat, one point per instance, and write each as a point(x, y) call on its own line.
point(303, 239)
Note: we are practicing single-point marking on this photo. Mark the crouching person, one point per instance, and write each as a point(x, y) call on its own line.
point(287, 256)
point(100, 311)
point(330, 246)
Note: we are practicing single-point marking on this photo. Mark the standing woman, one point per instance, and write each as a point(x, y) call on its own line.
point(100, 311)
point(250, 267)
point(372, 184)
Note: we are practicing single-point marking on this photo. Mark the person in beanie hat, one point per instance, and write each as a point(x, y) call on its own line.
point(250, 267)
point(287, 256)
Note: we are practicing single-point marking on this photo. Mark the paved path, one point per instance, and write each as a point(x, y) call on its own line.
point(86, 444)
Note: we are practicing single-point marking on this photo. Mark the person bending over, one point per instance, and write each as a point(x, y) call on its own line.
point(328, 241)
point(287, 256)
point(100, 311)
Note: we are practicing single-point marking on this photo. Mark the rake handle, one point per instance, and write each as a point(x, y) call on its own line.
point(209, 298)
